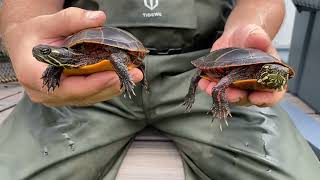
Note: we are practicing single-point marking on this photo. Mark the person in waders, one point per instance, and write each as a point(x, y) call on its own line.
point(83, 129)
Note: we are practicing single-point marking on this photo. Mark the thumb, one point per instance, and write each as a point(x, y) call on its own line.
point(251, 36)
point(68, 21)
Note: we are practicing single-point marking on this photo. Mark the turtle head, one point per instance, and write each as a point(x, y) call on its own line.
point(273, 76)
point(56, 56)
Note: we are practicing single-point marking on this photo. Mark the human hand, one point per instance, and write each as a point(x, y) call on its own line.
point(51, 29)
point(252, 36)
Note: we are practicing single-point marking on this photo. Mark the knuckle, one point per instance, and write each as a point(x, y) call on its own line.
point(38, 97)
point(23, 80)
point(75, 96)
point(83, 103)
point(71, 12)
point(35, 98)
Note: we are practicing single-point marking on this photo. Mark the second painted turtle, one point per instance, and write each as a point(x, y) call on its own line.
point(245, 68)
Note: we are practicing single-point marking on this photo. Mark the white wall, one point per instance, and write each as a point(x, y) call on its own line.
point(283, 38)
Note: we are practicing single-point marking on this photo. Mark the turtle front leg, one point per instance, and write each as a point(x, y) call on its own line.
point(190, 97)
point(51, 77)
point(119, 62)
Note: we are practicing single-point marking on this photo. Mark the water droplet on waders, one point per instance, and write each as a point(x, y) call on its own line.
point(45, 151)
point(71, 145)
point(70, 142)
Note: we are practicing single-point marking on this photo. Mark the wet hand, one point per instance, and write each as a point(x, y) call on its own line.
point(252, 36)
point(52, 29)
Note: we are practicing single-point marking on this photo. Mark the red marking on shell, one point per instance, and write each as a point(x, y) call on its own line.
point(110, 36)
point(235, 57)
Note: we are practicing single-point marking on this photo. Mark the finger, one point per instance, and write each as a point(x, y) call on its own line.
point(99, 97)
point(32, 78)
point(222, 42)
point(82, 90)
point(104, 95)
point(76, 90)
point(252, 36)
point(203, 84)
point(255, 37)
point(208, 89)
point(67, 22)
point(234, 95)
point(264, 98)
point(74, 87)
point(272, 51)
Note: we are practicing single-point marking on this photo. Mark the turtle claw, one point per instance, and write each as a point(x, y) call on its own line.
point(188, 102)
point(51, 77)
point(128, 88)
point(222, 112)
point(50, 83)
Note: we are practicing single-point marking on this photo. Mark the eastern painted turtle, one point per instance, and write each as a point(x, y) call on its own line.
point(245, 68)
point(93, 50)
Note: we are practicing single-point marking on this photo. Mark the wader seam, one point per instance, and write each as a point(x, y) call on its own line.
point(144, 94)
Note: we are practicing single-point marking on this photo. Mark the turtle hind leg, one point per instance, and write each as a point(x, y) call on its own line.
point(119, 62)
point(220, 108)
point(51, 77)
point(190, 97)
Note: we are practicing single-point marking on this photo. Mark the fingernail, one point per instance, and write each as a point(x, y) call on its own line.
point(92, 15)
point(256, 31)
point(251, 28)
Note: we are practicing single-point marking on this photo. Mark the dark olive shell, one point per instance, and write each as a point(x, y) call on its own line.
point(227, 58)
point(109, 36)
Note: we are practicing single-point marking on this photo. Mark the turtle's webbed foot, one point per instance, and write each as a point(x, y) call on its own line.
point(51, 77)
point(188, 101)
point(220, 108)
point(50, 83)
point(190, 97)
point(128, 86)
point(119, 60)
point(222, 112)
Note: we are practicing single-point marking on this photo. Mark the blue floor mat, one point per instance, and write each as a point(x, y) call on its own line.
point(308, 126)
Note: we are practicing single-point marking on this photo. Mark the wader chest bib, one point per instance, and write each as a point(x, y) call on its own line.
point(167, 26)
point(89, 143)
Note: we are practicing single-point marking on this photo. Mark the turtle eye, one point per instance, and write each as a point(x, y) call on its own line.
point(45, 51)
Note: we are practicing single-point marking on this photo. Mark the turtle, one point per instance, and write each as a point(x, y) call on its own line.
point(93, 50)
point(245, 68)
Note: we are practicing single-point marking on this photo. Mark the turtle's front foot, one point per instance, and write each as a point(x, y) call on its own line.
point(188, 101)
point(190, 97)
point(51, 77)
point(220, 108)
